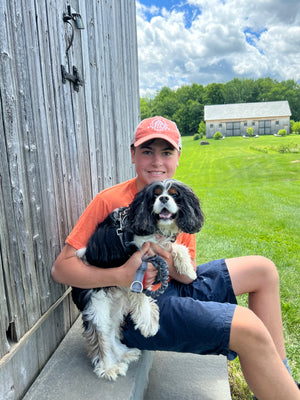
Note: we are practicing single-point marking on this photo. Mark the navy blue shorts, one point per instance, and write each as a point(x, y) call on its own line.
point(194, 318)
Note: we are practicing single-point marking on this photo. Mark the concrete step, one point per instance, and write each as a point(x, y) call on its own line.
point(178, 376)
point(69, 375)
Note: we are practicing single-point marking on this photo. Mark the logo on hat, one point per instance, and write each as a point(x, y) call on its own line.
point(157, 128)
point(158, 125)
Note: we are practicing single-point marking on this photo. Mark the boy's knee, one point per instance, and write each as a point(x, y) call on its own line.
point(268, 271)
point(271, 271)
point(248, 333)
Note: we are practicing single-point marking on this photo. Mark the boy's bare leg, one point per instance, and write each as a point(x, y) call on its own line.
point(262, 366)
point(257, 334)
point(258, 276)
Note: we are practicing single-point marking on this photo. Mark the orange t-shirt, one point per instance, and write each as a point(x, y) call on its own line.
point(104, 203)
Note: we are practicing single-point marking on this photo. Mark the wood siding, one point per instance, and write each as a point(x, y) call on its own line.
point(59, 147)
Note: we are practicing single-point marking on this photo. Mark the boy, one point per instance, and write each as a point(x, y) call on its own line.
point(198, 316)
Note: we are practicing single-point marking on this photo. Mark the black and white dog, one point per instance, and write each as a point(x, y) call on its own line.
point(157, 214)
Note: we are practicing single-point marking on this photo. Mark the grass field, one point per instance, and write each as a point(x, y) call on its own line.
point(250, 193)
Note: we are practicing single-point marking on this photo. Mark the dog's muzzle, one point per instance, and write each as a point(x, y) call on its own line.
point(165, 208)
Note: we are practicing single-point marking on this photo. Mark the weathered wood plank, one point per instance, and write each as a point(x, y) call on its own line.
point(14, 205)
point(4, 185)
point(58, 147)
point(19, 368)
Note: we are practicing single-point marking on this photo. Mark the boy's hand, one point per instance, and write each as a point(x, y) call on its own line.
point(167, 255)
point(150, 276)
point(130, 267)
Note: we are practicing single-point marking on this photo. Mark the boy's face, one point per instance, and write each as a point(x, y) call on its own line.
point(155, 160)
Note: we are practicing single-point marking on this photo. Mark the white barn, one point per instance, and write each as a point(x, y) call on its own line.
point(266, 118)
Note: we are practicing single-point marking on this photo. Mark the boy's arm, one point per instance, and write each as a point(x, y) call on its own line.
point(70, 270)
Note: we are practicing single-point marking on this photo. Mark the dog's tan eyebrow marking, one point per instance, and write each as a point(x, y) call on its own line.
point(158, 191)
point(172, 191)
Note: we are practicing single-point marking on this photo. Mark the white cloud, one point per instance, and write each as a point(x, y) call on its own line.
point(223, 40)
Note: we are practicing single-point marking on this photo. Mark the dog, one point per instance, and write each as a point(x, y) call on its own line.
point(157, 214)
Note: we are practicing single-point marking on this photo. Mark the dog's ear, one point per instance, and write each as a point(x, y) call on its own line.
point(190, 216)
point(140, 218)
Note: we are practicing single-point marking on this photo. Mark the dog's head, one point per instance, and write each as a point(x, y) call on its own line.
point(169, 206)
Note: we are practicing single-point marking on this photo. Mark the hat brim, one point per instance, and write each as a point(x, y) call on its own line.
point(157, 136)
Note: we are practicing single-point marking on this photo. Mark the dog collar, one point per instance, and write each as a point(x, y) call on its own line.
point(137, 284)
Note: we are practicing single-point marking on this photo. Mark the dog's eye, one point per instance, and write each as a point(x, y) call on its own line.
point(173, 192)
point(157, 191)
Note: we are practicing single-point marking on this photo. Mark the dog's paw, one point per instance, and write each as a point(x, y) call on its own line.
point(188, 271)
point(148, 323)
point(182, 261)
point(148, 330)
point(131, 355)
point(122, 368)
point(112, 372)
point(144, 313)
point(191, 273)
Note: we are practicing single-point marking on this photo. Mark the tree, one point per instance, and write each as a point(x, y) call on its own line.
point(263, 87)
point(239, 91)
point(165, 103)
point(188, 117)
point(214, 94)
point(296, 127)
point(146, 107)
point(193, 92)
point(202, 129)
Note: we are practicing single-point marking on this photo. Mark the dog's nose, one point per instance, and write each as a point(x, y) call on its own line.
point(164, 199)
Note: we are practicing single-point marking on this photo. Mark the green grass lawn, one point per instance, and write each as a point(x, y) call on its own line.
point(250, 192)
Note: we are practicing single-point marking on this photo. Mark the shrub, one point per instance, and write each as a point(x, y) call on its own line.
point(202, 129)
point(291, 124)
point(296, 127)
point(196, 136)
point(288, 148)
point(218, 135)
point(282, 132)
point(250, 131)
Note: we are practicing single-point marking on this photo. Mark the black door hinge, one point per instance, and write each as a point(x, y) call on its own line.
point(75, 78)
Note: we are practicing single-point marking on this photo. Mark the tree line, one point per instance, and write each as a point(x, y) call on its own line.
point(185, 105)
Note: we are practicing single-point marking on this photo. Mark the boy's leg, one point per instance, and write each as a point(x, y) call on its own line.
point(262, 366)
point(258, 276)
point(257, 334)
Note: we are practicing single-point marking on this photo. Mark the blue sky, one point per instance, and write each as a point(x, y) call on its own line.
point(204, 41)
point(190, 11)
